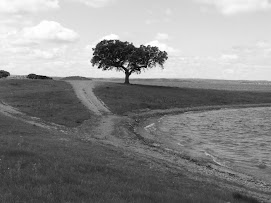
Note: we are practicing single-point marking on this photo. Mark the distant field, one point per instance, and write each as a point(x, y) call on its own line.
point(75, 78)
point(232, 85)
point(53, 101)
point(122, 98)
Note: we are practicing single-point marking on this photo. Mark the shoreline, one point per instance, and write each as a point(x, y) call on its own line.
point(148, 113)
point(247, 184)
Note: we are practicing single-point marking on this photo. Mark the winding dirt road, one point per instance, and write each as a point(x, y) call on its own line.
point(107, 120)
point(83, 90)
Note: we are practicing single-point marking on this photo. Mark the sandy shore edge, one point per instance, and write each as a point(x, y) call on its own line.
point(213, 172)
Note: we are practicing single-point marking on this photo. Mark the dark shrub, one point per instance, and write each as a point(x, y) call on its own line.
point(41, 77)
point(31, 76)
point(4, 74)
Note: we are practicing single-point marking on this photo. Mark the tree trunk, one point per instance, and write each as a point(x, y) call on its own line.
point(127, 75)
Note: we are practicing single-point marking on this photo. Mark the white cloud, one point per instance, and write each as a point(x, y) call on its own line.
point(258, 49)
point(162, 36)
point(230, 7)
point(23, 42)
point(110, 36)
point(159, 16)
point(229, 57)
point(49, 31)
point(106, 37)
point(48, 54)
point(263, 44)
point(151, 21)
point(163, 47)
point(43, 54)
point(31, 53)
point(168, 11)
point(95, 3)
point(228, 71)
point(6, 31)
point(27, 6)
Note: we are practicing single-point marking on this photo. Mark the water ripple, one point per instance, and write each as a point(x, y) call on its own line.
point(236, 138)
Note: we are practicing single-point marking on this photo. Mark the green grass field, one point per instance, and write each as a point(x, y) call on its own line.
point(122, 98)
point(53, 101)
point(39, 165)
point(231, 85)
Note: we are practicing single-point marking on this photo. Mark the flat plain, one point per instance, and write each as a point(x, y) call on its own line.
point(166, 94)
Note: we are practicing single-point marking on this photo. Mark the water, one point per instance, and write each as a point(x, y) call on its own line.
point(239, 139)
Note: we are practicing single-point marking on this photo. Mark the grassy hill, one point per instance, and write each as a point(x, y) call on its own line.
point(40, 165)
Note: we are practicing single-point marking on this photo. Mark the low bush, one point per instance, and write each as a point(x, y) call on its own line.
point(4, 74)
point(41, 77)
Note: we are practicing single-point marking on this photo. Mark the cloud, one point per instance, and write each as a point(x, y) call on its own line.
point(258, 53)
point(50, 31)
point(31, 53)
point(106, 37)
point(159, 16)
point(263, 44)
point(168, 11)
point(229, 57)
point(230, 7)
point(110, 36)
point(228, 71)
point(151, 21)
point(162, 36)
point(164, 47)
point(44, 54)
point(27, 6)
point(95, 3)
point(49, 54)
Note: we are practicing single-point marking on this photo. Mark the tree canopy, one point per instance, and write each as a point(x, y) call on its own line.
point(124, 56)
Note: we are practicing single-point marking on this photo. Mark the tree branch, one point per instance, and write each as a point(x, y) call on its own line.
point(125, 69)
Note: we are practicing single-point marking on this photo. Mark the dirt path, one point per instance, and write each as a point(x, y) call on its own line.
point(83, 90)
point(12, 112)
point(107, 121)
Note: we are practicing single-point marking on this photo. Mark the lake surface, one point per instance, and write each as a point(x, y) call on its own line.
point(239, 139)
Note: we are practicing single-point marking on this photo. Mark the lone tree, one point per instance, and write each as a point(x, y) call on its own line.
point(124, 56)
point(4, 74)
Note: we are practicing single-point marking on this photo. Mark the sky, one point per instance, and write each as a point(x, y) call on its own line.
point(209, 39)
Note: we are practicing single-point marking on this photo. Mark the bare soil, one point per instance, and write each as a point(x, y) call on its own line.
point(83, 90)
